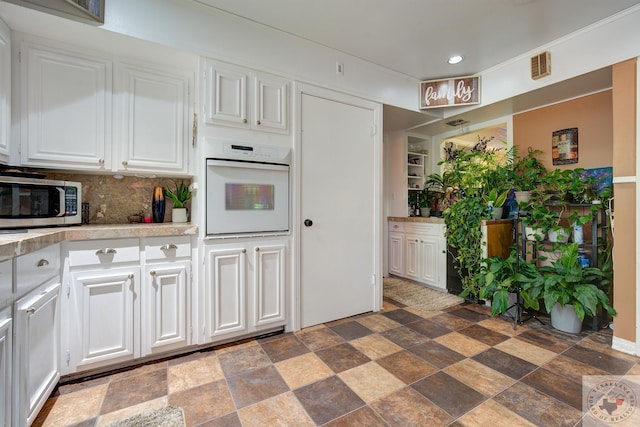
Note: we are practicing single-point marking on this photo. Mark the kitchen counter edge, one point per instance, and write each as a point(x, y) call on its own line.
point(13, 245)
point(440, 220)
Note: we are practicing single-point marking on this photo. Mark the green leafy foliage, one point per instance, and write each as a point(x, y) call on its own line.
point(180, 195)
point(567, 282)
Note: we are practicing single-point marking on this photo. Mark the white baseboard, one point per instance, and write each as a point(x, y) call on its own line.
point(624, 346)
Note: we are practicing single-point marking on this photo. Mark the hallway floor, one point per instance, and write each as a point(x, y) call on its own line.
point(399, 367)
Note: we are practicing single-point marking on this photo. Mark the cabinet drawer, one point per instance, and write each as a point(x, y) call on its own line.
point(397, 227)
point(103, 252)
point(34, 268)
point(430, 229)
point(163, 248)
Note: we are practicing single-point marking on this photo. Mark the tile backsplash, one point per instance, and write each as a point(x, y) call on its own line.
point(112, 200)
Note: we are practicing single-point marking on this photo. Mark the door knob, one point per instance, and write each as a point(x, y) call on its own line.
point(308, 222)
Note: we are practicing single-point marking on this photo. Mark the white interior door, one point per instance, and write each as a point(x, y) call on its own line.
point(337, 203)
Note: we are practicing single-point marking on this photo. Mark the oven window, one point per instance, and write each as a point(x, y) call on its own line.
point(249, 197)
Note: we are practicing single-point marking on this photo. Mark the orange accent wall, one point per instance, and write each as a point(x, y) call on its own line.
point(624, 165)
point(591, 114)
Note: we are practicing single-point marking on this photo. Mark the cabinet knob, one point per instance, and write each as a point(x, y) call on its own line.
point(168, 246)
point(258, 122)
point(130, 276)
point(30, 310)
point(152, 272)
point(244, 120)
point(124, 163)
point(43, 263)
point(244, 251)
point(257, 249)
point(101, 161)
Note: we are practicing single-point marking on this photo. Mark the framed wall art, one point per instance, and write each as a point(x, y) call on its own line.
point(564, 146)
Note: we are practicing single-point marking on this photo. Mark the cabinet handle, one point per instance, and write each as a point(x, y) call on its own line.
point(124, 163)
point(130, 276)
point(257, 249)
point(43, 263)
point(30, 310)
point(101, 161)
point(258, 122)
point(152, 272)
point(168, 246)
point(244, 120)
point(106, 251)
point(244, 251)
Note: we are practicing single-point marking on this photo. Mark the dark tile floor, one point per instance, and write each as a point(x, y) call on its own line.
point(399, 367)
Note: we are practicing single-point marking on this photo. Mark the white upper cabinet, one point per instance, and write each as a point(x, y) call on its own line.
point(66, 109)
point(152, 119)
point(86, 112)
point(230, 89)
point(5, 92)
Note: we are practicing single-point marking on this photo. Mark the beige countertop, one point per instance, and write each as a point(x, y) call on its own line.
point(435, 220)
point(428, 220)
point(16, 244)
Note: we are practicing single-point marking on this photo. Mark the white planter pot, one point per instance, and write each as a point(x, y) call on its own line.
point(425, 212)
point(564, 318)
point(534, 233)
point(523, 196)
point(560, 235)
point(496, 213)
point(179, 215)
point(550, 257)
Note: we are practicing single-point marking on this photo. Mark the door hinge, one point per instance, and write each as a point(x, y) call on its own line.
point(68, 290)
point(68, 357)
point(19, 56)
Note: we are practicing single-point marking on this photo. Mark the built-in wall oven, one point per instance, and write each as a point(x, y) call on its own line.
point(247, 188)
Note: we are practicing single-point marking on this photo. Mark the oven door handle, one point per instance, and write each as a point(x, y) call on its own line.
point(63, 208)
point(247, 165)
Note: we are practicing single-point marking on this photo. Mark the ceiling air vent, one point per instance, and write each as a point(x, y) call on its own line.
point(540, 65)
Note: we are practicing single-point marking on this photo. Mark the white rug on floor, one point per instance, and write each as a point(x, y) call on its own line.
point(421, 297)
point(169, 416)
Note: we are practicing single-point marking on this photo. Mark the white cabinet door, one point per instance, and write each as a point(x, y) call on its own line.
point(66, 109)
point(228, 89)
point(412, 252)
point(269, 279)
point(429, 251)
point(164, 295)
point(270, 103)
point(225, 291)
point(226, 94)
point(6, 367)
point(37, 350)
point(5, 92)
point(396, 250)
point(152, 119)
point(105, 305)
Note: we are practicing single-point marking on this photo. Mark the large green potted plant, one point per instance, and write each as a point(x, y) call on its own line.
point(180, 195)
point(499, 278)
point(528, 172)
point(569, 291)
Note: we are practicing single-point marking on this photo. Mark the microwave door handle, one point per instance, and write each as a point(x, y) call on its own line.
point(62, 200)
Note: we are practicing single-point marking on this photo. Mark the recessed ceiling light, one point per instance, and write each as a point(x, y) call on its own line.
point(454, 59)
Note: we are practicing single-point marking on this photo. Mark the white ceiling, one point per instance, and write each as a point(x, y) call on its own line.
point(416, 37)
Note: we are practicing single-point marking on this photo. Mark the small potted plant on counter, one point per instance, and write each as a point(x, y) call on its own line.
point(180, 195)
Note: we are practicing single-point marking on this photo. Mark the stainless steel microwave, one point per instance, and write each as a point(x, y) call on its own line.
point(32, 202)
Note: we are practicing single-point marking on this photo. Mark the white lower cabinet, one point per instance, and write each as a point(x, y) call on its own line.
point(245, 285)
point(36, 362)
point(103, 317)
point(417, 252)
point(127, 299)
point(6, 366)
